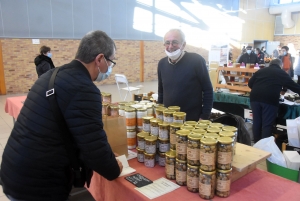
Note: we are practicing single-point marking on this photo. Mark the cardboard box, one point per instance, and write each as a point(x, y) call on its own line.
point(292, 159)
point(115, 128)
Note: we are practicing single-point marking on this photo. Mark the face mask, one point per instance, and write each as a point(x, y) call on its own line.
point(49, 54)
point(103, 76)
point(248, 51)
point(174, 55)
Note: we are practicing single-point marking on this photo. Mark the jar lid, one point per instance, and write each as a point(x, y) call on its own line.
point(183, 132)
point(106, 94)
point(202, 126)
point(180, 161)
point(143, 134)
point(123, 103)
point(142, 109)
point(129, 103)
point(105, 104)
point(204, 121)
point(225, 140)
point(226, 134)
point(145, 153)
point(209, 173)
point(229, 128)
point(171, 154)
point(161, 109)
point(195, 136)
point(199, 131)
point(164, 123)
point(151, 138)
point(129, 109)
point(224, 171)
point(168, 111)
point(164, 140)
point(162, 154)
point(211, 135)
point(147, 117)
point(174, 108)
point(192, 166)
point(139, 149)
point(187, 127)
point(176, 125)
point(209, 141)
point(154, 120)
point(158, 105)
point(179, 114)
point(114, 107)
point(216, 125)
point(190, 123)
point(213, 130)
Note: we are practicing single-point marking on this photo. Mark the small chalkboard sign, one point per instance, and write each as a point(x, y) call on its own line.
point(138, 180)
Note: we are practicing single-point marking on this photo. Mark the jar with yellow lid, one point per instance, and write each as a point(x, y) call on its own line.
point(207, 184)
point(160, 112)
point(230, 128)
point(154, 108)
point(162, 159)
point(218, 125)
point(211, 135)
point(122, 108)
point(146, 124)
point(170, 164)
point(181, 168)
point(131, 138)
point(154, 126)
point(213, 130)
point(168, 115)
point(140, 113)
point(164, 145)
point(163, 130)
point(106, 97)
point(140, 155)
point(225, 153)
point(199, 131)
point(223, 183)
point(190, 123)
point(193, 149)
point(150, 144)
point(190, 128)
point(181, 144)
point(130, 116)
point(105, 108)
point(202, 121)
point(173, 128)
point(201, 126)
point(208, 154)
point(179, 117)
point(141, 139)
point(175, 108)
point(149, 160)
point(192, 178)
point(114, 111)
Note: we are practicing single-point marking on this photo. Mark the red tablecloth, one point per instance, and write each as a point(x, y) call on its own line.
point(13, 105)
point(258, 185)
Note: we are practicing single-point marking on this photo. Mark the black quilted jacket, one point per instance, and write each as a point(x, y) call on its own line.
point(35, 165)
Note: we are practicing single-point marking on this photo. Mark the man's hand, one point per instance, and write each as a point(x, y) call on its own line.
point(282, 92)
point(116, 154)
point(120, 165)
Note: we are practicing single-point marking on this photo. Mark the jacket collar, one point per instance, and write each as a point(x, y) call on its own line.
point(77, 64)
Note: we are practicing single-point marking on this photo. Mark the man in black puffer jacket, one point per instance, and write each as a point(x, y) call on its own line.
point(35, 164)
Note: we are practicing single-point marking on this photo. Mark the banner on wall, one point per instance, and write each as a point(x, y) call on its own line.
point(219, 53)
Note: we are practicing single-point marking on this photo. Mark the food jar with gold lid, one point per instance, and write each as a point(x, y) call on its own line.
point(208, 154)
point(223, 183)
point(173, 128)
point(141, 139)
point(168, 115)
point(199, 131)
point(181, 167)
point(149, 110)
point(218, 125)
point(190, 128)
point(190, 123)
point(193, 149)
point(207, 184)
point(181, 144)
point(114, 110)
point(149, 160)
point(154, 126)
point(211, 135)
point(160, 112)
point(202, 121)
point(162, 159)
point(146, 123)
point(230, 128)
point(150, 144)
point(213, 130)
point(201, 126)
point(164, 130)
point(163, 145)
point(130, 117)
point(122, 108)
point(105, 108)
point(175, 108)
point(106, 97)
point(140, 113)
point(225, 153)
point(179, 117)
point(140, 155)
point(170, 164)
point(192, 178)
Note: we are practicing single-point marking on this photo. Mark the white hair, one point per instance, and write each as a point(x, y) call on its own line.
point(182, 36)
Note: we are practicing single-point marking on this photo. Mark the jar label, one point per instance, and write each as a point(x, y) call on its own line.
point(141, 144)
point(168, 119)
point(193, 154)
point(224, 157)
point(140, 122)
point(106, 99)
point(192, 182)
point(164, 147)
point(130, 122)
point(150, 149)
point(207, 158)
point(154, 130)
point(130, 115)
point(178, 121)
point(163, 134)
point(180, 176)
point(121, 112)
point(204, 189)
point(181, 148)
point(149, 162)
point(172, 138)
point(161, 117)
point(146, 127)
point(161, 161)
point(140, 158)
point(141, 114)
point(170, 169)
point(131, 142)
point(223, 185)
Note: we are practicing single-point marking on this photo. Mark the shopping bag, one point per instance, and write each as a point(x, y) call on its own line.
point(269, 145)
point(293, 130)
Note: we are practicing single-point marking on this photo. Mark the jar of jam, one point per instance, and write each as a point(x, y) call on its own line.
point(122, 108)
point(190, 123)
point(150, 144)
point(114, 111)
point(175, 108)
point(181, 168)
point(181, 144)
point(141, 139)
point(131, 138)
point(106, 97)
point(140, 155)
point(162, 159)
point(160, 112)
point(170, 164)
point(173, 128)
point(193, 149)
point(207, 184)
point(140, 113)
point(192, 178)
point(149, 110)
point(154, 128)
point(149, 160)
point(179, 117)
point(130, 116)
point(208, 154)
point(225, 153)
point(163, 130)
point(104, 108)
point(164, 145)
point(146, 124)
point(223, 183)
point(168, 116)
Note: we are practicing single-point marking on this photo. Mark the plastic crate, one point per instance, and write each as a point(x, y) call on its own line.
point(282, 171)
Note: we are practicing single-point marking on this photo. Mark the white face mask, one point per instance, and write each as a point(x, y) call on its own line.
point(174, 55)
point(248, 51)
point(103, 76)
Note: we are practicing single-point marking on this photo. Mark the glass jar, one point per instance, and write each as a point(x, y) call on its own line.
point(122, 108)
point(225, 153)
point(181, 144)
point(146, 124)
point(190, 128)
point(218, 125)
point(199, 131)
point(141, 139)
point(204, 122)
point(208, 154)
point(235, 131)
point(190, 123)
point(154, 126)
point(181, 172)
point(213, 130)
point(192, 178)
point(130, 116)
point(104, 108)
point(149, 110)
point(170, 164)
point(140, 113)
point(106, 97)
point(211, 135)
point(223, 183)
point(154, 108)
point(201, 126)
point(173, 128)
point(179, 117)
point(164, 145)
point(168, 116)
point(131, 138)
point(193, 149)
point(114, 111)
point(175, 108)
point(163, 130)
point(149, 160)
point(162, 159)
point(160, 112)
point(150, 144)
point(140, 155)
point(207, 184)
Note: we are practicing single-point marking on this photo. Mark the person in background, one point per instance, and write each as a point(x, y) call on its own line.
point(263, 50)
point(43, 62)
point(276, 52)
point(266, 85)
point(230, 54)
point(35, 163)
point(249, 57)
point(297, 66)
point(183, 79)
point(260, 56)
point(287, 61)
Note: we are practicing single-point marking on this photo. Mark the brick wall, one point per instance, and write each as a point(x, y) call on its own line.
point(285, 40)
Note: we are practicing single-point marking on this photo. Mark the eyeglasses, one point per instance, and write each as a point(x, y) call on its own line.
point(173, 42)
point(110, 61)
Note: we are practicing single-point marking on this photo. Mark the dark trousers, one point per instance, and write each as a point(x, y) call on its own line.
point(298, 82)
point(264, 116)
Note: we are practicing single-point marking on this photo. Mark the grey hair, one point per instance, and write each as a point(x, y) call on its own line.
point(182, 35)
point(276, 62)
point(94, 43)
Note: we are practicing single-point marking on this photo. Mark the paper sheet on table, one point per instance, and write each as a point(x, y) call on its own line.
point(126, 168)
point(292, 131)
point(158, 188)
point(131, 155)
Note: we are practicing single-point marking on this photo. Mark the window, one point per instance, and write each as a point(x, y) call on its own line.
point(288, 1)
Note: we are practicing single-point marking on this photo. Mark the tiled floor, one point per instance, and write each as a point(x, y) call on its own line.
point(6, 125)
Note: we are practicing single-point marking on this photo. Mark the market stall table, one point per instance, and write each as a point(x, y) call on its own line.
point(13, 106)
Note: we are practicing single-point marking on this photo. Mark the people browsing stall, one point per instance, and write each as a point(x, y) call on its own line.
point(183, 79)
point(43, 62)
point(263, 50)
point(37, 161)
point(249, 57)
point(287, 61)
point(297, 66)
point(266, 85)
point(260, 56)
point(277, 52)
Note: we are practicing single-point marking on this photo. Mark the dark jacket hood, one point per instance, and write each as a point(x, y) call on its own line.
point(40, 58)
